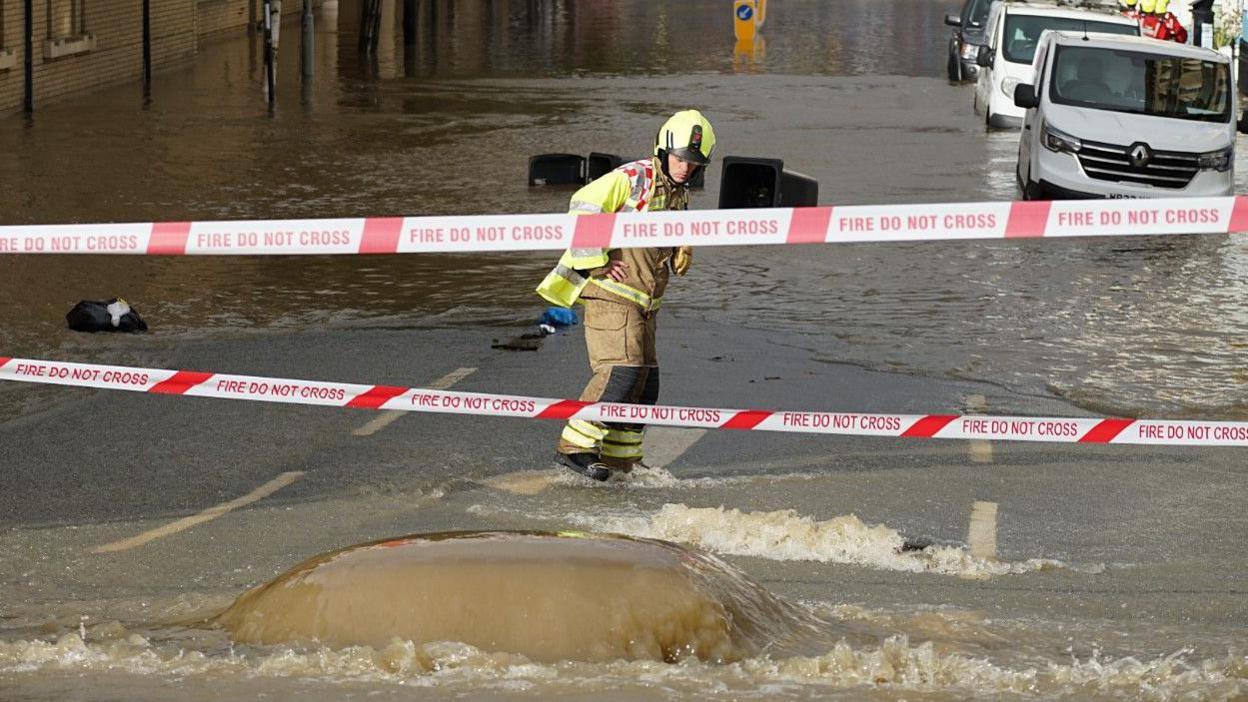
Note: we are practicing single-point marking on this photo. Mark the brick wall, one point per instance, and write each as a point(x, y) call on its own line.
point(220, 15)
point(116, 28)
point(217, 15)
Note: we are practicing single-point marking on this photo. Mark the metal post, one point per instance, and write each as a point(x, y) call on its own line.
point(370, 25)
point(30, 57)
point(409, 22)
point(147, 49)
point(309, 38)
point(270, 79)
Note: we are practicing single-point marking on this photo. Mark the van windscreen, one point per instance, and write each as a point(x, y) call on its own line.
point(976, 12)
point(1141, 83)
point(1022, 32)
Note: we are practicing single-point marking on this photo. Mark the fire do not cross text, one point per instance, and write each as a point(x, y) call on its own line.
point(1141, 216)
point(962, 221)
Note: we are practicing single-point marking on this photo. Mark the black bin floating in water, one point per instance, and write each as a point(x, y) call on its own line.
point(600, 164)
point(570, 169)
point(556, 169)
point(762, 182)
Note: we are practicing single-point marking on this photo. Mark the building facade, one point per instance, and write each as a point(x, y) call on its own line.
point(80, 45)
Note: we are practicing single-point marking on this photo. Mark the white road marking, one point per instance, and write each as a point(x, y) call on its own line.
point(185, 523)
point(979, 449)
point(663, 446)
point(982, 534)
point(522, 482)
point(666, 444)
point(384, 419)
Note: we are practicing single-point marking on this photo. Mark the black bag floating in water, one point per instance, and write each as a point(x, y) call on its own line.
point(115, 315)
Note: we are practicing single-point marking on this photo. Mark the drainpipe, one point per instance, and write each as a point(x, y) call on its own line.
point(270, 79)
point(309, 37)
point(147, 50)
point(30, 56)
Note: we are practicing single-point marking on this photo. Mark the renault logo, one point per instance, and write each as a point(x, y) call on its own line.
point(1139, 155)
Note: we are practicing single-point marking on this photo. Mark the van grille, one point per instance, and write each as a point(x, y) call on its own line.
point(1166, 169)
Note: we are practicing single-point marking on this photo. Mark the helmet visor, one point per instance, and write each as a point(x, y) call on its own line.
point(686, 153)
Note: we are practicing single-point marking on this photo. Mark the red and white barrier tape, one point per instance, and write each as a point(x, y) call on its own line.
point(807, 225)
point(932, 426)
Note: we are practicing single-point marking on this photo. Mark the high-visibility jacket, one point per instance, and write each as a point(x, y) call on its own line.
point(1166, 28)
point(633, 187)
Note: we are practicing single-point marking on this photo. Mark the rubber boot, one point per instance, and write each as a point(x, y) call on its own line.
point(587, 464)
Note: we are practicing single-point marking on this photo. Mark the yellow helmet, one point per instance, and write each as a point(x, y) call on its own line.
point(1147, 5)
point(1161, 6)
point(687, 135)
point(1127, 3)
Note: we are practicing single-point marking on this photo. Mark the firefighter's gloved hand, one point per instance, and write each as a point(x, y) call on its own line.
point(682, 260)
point(615, 270)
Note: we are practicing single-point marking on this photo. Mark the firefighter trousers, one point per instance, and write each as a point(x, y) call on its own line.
point(620, 341)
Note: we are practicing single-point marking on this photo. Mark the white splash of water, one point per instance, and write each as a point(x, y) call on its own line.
point(893, 665)
point(786, 535)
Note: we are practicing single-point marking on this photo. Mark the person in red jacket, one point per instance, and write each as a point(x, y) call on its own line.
point(1159, 23)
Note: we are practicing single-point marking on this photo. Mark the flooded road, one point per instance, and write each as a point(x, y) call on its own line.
point(1147, 327)
point(1117, 574)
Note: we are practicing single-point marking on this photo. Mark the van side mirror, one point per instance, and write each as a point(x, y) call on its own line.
point(1025, 96)
point(953, 20)
point(983, 58)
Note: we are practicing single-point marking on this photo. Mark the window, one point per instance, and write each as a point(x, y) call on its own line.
point(975, 12)
point(1142, 83)
point(7, 59)
point(67, 29)
point(1022, 32)
point(67, 18)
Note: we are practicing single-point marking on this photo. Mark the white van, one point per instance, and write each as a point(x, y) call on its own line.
point(1014, 30)
point(1113, 116)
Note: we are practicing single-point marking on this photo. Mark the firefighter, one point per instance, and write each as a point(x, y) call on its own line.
point(622, 289)
point(1159, 23)
point(1130, 9)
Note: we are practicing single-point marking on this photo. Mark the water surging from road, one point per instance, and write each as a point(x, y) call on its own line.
point(786, 535)
point(546, 596)
point(138, 667)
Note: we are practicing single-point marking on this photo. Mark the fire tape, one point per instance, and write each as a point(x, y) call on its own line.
point(533, 232)
point(1089, 430)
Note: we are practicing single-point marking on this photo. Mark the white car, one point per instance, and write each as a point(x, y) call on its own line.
point(1014, 30)
point(1114, 116)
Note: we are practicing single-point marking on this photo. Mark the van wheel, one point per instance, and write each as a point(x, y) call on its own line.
point(954, 68)
point(1032, 191)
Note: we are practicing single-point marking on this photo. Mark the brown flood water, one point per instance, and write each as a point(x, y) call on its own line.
point(848, 92)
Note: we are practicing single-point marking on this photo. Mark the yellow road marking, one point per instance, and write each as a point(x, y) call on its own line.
point(185, 523)
point(384, 419)
point(982, 534)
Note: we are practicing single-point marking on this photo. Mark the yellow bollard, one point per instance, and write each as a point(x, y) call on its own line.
point(749, 56)
point(744, 22)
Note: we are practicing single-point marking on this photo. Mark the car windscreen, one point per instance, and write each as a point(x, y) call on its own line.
point(1138, 82)
point(1022, 32)
point(975, 12)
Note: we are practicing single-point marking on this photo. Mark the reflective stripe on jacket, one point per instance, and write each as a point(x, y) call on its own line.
point(632, 187)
